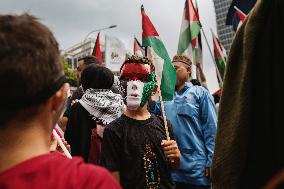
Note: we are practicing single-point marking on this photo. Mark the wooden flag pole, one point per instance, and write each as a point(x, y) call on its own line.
point(160, 97)
point(163, 109)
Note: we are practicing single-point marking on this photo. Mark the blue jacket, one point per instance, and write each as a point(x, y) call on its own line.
point(192, 114)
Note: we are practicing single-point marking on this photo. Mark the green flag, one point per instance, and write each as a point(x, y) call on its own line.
point(157, 52)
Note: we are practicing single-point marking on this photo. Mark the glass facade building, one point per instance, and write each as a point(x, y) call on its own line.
point(225, 33)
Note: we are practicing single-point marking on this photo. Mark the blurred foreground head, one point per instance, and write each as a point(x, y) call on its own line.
point(31, 74)
point(249, 143)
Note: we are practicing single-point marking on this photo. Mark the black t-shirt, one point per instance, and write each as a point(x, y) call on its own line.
point(133, 148)
point(79, 130)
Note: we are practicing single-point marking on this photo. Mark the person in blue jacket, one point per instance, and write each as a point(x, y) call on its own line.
point(192, 114)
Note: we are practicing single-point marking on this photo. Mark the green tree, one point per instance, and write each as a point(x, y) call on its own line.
point(70, 75)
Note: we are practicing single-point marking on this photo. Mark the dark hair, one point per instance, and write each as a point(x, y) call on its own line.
point(216, 98)
point(89, 60)
point(30, 68)
point(96, 77)
point(195, 82)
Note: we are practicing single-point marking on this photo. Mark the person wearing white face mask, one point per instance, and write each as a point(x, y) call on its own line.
point(134, 146)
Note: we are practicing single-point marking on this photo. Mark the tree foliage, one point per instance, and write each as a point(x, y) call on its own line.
point(70, 75)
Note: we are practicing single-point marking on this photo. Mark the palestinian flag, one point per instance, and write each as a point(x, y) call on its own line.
point(232, 15)
point(97, 50)
point(242, 16)
point(157, 52)
point(190, 32)
point(220, 57)
point(138, 49)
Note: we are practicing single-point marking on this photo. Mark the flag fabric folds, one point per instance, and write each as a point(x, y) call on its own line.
point(115, 53)
point(190, 28)
point(220, 57)
point(190, 34)
point(137, 48)
point(242, 16)
point(244, 6)
point(97, 50)
point(157, 52)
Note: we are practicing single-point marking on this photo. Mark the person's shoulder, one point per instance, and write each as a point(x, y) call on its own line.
point(196, 90)
point(76, 105)
point(57, 171)
point(159, 123)
point(158, 120)
point(79, 109)
point(116, 124)
point(82, 175)
point(86, 175)
point(95, 176)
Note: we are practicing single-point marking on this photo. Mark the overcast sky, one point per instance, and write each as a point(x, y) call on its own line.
point(72, 20)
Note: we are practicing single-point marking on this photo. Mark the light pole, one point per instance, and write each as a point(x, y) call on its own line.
point(93, 31)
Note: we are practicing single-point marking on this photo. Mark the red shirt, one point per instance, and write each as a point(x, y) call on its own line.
point(52, 171)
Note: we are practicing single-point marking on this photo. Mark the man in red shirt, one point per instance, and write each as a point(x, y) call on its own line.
point(32, 77)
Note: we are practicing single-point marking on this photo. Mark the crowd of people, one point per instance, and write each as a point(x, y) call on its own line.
point(114, 129)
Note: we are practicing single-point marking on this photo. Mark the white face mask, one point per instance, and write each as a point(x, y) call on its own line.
point(134, 94)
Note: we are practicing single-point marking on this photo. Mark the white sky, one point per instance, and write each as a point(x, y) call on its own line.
point(72, 20)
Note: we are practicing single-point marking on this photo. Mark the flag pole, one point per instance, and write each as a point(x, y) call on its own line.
point(160, 98)
point(134, 45)
point(218, 73)
point(163, 109)
point(196, 69)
